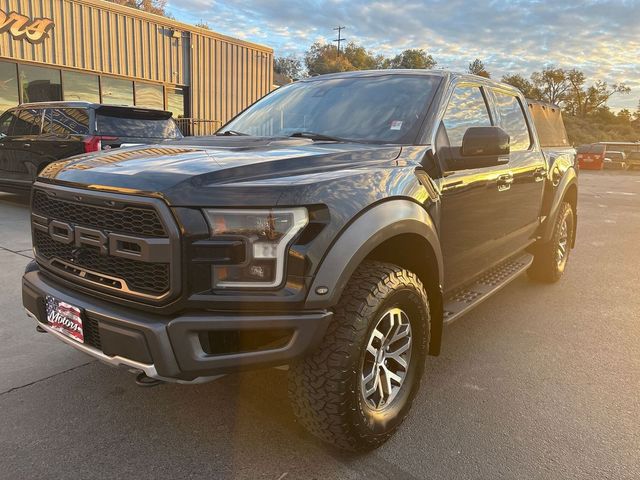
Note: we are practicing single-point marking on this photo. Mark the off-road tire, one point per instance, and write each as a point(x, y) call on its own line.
point(324, 386)
point(546, 267)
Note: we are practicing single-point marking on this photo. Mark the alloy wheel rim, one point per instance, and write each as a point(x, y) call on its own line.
point(387, 358)
point(563, 243)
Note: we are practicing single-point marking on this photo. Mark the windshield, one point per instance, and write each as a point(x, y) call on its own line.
point(385, 108)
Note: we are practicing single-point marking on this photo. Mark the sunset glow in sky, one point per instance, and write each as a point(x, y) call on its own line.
point(602, 38)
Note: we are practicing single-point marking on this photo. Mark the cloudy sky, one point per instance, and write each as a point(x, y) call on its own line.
point(602, 37)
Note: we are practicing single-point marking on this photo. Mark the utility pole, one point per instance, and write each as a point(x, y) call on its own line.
point(339, 40)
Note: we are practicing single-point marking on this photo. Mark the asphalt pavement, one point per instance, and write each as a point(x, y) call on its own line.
point(539, 382)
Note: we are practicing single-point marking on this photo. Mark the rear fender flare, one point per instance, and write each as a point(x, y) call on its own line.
point(568, 179)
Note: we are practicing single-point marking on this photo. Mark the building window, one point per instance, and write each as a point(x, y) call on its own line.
point(175, 101)
point(8, 85)
point(80, 86)
point(116, 91)
point(149, 95)
point(40, 84)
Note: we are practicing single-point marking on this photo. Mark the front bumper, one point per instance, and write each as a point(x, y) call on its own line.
point(172, 348)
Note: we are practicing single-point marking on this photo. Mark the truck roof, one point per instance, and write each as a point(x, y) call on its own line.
point(460, 76)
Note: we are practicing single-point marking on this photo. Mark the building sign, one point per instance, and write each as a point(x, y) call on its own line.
point(22, 27)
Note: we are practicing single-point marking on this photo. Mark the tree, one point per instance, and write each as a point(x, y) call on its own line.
point(524, 85)
point(360, 58)
point(624, 115)
point(151, 6)
point(477, 68)
point(323, 58)
point(412, 58)
point(552, 83)
point(583, 101)
point(290, 67)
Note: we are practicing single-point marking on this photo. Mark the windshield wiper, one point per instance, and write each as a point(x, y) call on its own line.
point(317, 136)
point(228, 133)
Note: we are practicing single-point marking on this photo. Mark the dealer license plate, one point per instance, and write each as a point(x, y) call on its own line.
point(64, 318)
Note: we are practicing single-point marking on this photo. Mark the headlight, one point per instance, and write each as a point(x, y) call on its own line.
point(267, 234)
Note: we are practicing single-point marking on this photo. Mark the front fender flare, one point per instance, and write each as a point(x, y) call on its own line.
point(361, 237)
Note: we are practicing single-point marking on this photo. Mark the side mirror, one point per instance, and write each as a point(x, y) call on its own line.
point(485, 142)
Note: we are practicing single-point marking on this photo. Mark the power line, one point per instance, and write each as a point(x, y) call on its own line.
point(340, 39)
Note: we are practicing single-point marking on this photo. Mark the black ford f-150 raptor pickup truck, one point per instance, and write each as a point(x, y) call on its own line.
point(334, 226)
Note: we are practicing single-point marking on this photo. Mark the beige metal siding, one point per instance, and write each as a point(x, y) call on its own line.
point(227, 77)
point(94, 36)
point(224, 74)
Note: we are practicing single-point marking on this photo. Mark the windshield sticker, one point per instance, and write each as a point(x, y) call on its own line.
point(396, 125)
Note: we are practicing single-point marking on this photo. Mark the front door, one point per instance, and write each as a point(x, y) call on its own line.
point(475, 202)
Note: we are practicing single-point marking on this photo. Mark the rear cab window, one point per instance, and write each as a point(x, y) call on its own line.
point(66, 122)
point(133, 123)
point(511, 118)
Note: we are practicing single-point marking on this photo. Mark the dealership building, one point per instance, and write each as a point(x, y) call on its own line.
point(99, 51)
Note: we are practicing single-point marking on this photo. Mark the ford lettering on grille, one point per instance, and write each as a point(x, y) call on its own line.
point(107, 243)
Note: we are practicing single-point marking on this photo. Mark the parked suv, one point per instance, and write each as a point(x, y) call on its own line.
point(591, 156)
point(633, 160)
point(615, 160)
point(334, 226)
point(33, 135)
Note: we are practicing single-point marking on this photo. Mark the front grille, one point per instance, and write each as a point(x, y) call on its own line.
point(150, 278)
point(132, 220)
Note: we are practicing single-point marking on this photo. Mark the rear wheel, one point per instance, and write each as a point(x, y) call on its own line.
point(356, 388)
point(551, 258)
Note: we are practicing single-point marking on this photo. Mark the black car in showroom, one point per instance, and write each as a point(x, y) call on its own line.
point(33, 135)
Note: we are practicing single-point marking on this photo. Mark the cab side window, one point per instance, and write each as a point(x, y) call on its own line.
point(467, 108)
point(512, 120)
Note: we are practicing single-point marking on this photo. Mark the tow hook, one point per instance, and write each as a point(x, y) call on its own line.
point(143, 381)
point(39, 329)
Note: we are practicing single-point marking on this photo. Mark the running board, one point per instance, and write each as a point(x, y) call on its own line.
point(461, 301)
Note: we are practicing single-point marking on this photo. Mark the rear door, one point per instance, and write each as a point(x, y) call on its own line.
point(9, 170)
point(63, 133)
point(20, 160)
point(527, 165)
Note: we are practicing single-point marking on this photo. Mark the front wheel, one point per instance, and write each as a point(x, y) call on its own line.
point(357, 387)
point(551, 258)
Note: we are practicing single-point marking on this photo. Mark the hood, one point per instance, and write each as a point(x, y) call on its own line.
point(175, 169)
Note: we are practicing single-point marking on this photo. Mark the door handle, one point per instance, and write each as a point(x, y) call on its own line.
point(539, 174)
point(504, 182)
point(27, 145)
